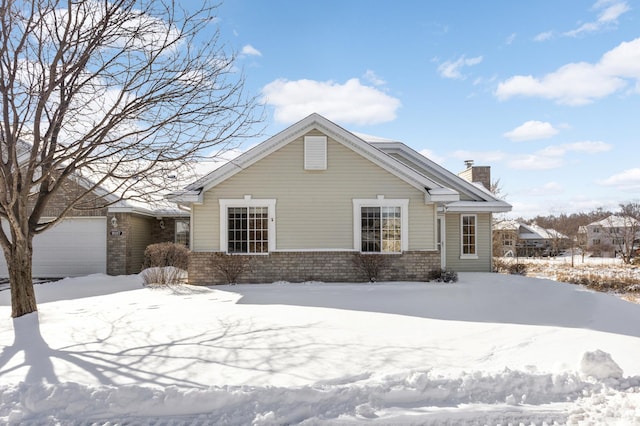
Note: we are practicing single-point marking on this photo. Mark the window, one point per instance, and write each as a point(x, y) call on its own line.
point(380, 226)
point(468, 233)
point(596, 242)
point(247, 225)
point(247, 230)
point(508, 240)
point(182, 232)
point(381, 229)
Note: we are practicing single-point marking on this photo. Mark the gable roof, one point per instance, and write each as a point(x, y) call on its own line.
point(480, 198)
point(616, 221)
point(440, 186)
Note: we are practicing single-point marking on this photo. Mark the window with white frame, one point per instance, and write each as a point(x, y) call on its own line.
point(380, 225)
point(247, 226)
point(468, 223)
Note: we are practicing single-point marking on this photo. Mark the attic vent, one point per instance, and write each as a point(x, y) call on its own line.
point(315, 153)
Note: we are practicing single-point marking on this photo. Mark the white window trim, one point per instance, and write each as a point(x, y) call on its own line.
point(381, 202)
point(247, 201)
point(315, 153)
point(475, 243)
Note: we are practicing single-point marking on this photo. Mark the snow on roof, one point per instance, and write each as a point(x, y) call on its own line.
point(615, 221)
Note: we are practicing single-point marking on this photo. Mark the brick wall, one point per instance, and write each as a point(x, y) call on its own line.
point(313, 266)
point(117, 244)
point(89, 205)
point(161, 234)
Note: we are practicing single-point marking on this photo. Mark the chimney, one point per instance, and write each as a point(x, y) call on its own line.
point(477, 174)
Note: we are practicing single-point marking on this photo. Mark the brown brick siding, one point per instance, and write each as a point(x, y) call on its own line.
point(126, 242)
point(313, 266)
point(89, 205)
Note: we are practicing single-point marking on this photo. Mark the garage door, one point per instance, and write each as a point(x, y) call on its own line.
point(74, 247)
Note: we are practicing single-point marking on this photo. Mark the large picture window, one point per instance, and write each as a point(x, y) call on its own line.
point(248, 230)
point(247, 225)
point(380, 226)
point(469, 234)
point(381, 229)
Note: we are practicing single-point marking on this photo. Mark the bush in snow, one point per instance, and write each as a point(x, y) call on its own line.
point(371, 265)
point(517, 269)
point(443, 276)
point(165, 263)
point(166, 254)
point(164, 275)
point(231, 266)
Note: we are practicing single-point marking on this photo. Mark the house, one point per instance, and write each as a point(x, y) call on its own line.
point(611, 235)
point(302, 204)
point(108, 240)
point(513, 238)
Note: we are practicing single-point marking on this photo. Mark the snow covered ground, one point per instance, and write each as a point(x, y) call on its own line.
point(490, 349)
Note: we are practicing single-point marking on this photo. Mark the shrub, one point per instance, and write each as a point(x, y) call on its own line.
point(163, 275)
point(166, 254)
point(517, 269)
point(443, 276)
point(165, 263)
point(231, 266)
point(500, 265)
point(371, 265)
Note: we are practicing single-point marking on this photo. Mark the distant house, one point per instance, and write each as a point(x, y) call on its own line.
point(302, 204)
point(611, 235)
point(513, 238)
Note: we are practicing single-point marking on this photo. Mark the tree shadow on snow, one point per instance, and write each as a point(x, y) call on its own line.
point(240, 344)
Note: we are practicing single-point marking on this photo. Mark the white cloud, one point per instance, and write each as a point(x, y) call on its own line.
point(553, 156)
point(511, 38)
point(589, 147)
point(249, 50)
point(543, 36)
point(373, 78)
point(531, 130)
point(348, 103)
point(544, 190)
point(625, 180)
point(610, 11)
point(538, 161)
point(452, 69)
point(580, 83)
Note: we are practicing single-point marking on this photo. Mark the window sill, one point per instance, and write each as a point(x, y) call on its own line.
point(469, 257)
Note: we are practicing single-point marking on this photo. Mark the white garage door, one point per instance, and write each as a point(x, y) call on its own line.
point(74, 247)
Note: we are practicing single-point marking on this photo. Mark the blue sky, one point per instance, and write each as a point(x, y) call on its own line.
point(545, 92)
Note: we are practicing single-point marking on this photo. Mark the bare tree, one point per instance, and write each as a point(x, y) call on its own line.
point(624, 230)
point(114, 94)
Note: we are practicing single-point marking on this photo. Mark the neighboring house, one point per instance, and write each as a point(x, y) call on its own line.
point(513, 238)
point(611, 235)
point(305, 202)
point(108, 240)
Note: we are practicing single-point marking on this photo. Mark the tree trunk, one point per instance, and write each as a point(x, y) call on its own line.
point(23, 297)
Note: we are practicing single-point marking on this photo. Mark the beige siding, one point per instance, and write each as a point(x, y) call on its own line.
point(139, 239)
point(453, 230)
point(314, 209)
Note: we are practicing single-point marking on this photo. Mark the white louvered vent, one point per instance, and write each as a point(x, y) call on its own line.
point(315, 153)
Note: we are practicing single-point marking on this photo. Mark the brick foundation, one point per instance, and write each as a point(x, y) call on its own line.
point(313, 266)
